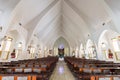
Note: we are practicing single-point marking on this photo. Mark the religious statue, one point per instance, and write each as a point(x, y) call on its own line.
point(13, 54)
point(110, 54)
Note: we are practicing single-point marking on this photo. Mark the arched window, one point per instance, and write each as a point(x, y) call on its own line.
point(19, 49)
point(116, 45)
point(6, 44)
point(91, 49)
point(108, 45)
point(5, 47)
point(82, 51)
point(31, 49)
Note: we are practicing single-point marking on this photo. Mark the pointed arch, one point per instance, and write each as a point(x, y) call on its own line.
point(105, 42)
point(61, 41)
point(90, 51)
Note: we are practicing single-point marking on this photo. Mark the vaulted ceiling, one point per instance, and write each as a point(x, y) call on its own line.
point(50, 19)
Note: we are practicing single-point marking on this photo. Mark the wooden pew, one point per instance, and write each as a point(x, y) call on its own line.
point(87, 69)
point(40, 68)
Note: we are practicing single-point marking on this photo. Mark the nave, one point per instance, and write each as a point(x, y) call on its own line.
point(34, 34)
point(62, 72)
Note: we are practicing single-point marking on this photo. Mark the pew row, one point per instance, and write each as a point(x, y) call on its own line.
point(41, 69)
point(89, 69)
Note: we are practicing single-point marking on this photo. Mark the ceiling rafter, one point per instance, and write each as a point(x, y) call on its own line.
point(70, 40)
point(71, 19)
point(43, 30)
point(80, 13)
point(54, 24)
point(41, 15)
point(76, 28)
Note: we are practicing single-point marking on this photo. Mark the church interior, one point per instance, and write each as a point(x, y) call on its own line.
point(59, 40)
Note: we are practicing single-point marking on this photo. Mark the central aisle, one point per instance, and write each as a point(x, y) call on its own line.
point(62, 72)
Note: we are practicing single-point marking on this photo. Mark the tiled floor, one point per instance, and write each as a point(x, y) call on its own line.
point(62, 72)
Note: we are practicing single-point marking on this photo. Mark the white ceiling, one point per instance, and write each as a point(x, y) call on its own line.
point(50, 19)
point(6, 7)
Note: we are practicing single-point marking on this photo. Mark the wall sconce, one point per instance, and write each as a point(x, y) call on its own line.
point(103, 45)
point(20, 45)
